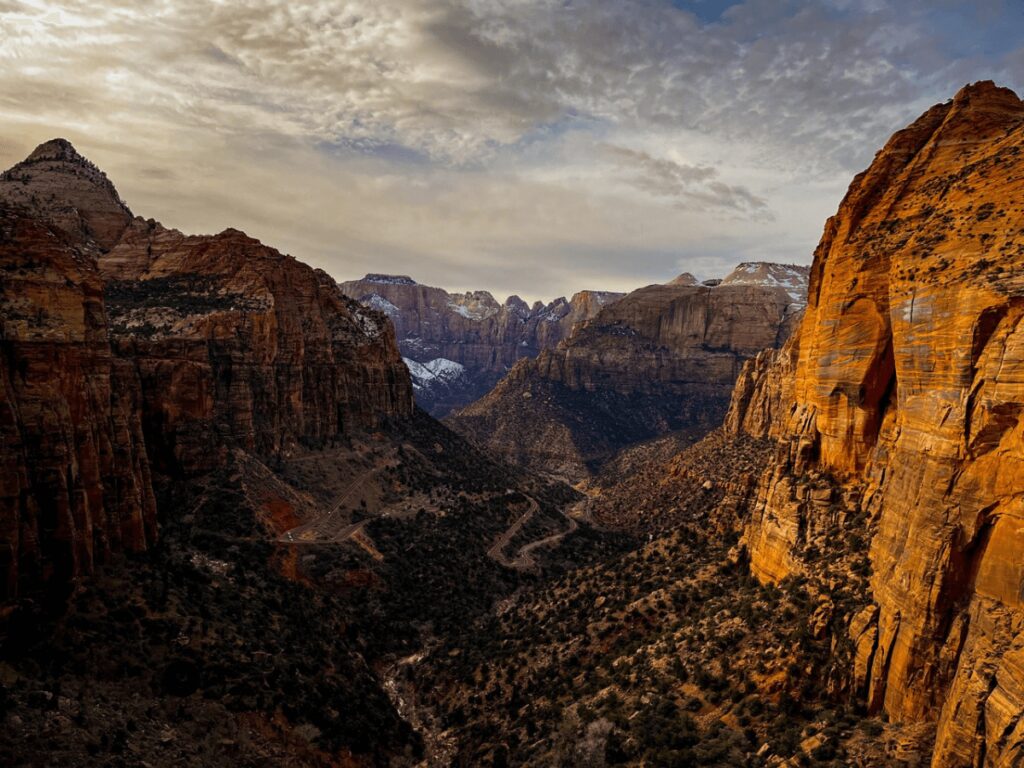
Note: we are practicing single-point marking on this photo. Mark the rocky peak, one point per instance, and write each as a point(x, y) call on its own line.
point(985, 94)
point(57, 149)
point(382, 279)
point(61, 185)
point(474, 305)
point(517, 306)
point(684, 279)
point(979, 111)
point(790, 277)
point(601, 297)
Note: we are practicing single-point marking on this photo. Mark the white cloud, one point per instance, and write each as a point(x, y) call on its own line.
point(530, 146)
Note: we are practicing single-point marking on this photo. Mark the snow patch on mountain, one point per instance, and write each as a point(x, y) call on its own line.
point(437, 372)
point(474, 305)
point(463, 310)
point(389, 279)
point(556, 310)
point(606, 297)
point(792, 278)
point(368, 324)
point(380, 303)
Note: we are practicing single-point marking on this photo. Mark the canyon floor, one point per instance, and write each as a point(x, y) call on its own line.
point(402, 600)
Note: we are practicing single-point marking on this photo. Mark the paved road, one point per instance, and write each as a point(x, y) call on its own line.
point(497, 550)
point(524, 557)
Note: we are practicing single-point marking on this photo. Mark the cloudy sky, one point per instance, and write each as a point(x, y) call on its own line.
point(527, 146)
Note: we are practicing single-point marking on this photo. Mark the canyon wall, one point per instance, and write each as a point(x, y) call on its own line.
point(130, 348)
point(237, 345)
point(458, 345)
point(74, 477)
point(663, 358)
point(904, 387)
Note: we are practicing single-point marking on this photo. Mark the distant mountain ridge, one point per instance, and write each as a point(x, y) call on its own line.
point(663, 358)
point(471, 336)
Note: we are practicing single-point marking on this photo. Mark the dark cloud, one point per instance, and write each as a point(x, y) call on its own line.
point(693, 186)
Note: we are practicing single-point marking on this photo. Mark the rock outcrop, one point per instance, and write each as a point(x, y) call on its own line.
point(69, 191)
point(129, 347)
point(74, 477)
point(663, 358)
point(237, 345)
point(905, 389)
point(472, 330)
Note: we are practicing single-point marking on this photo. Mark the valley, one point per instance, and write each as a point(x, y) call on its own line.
point(662, 359)
point(770, 520)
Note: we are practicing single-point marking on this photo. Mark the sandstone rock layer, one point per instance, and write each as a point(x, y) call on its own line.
point(906, 385)
point(237, 345)
point(470, 329)
point(74, 484)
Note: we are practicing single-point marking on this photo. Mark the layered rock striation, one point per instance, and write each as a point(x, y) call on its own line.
point(75, 484)
point(130, 348)
point(904, 389)
point(237, 345)
point(663, 358)
point(470, 330)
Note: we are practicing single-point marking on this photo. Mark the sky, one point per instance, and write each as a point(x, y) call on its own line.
point(535, 147)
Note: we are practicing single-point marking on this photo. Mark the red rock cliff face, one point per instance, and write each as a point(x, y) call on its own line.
point(906, 385)
point(130, 347)
point(237, 345)
point(74, 484)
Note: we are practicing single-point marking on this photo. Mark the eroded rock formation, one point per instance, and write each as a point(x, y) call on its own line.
point(237, 345)
point(74, 476)
point(663, 358)
point(905, 387)
point(472, 330)
point(128, 346)
point(69, 191)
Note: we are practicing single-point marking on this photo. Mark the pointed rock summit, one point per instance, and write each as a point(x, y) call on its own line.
point(60, 184)
point(684, 279)
point(57, 149)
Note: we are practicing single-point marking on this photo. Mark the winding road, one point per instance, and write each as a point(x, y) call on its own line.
point(524, 557)
point(497, 550)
